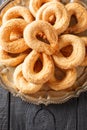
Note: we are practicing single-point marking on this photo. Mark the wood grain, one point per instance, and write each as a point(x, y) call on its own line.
point(82, 112)
point(4, 109)
point(24, 116)
point(19, 115)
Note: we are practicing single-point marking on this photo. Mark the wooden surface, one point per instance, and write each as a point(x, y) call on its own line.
point(16, 114)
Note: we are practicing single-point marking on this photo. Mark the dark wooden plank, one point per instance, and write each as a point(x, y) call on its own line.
point(22, 114)
point(26, 116)
point(82, 112)
point(65, 115)
point(4, 109)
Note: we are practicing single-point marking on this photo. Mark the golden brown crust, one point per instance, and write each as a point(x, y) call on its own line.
point(17, 12)
point(15, 46)
point(77, 55)
point(9, 59)
point(65, 83)
point(23, 85)
point(28, 68)
point(56, 9)
point(34, 5)
point(8, 6)
point(80, 13)
point(36, 27)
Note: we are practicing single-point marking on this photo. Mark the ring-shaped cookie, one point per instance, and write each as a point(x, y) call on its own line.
point(11, 26)
point(58, 10)
point(22, 84)
point(65, 83)
point(17, 12)
point(80, 13)
point(36, 27)
point(77, 55)
point(45, 72)
point(34, 5)
point(12, 60)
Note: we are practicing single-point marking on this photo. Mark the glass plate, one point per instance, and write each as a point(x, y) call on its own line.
point(45, 95)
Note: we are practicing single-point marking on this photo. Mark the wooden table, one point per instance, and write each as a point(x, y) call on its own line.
point(16, 114)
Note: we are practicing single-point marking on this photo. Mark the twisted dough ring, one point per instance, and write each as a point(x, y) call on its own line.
point(34, 5)
point(80, 13)
point(30, 36)
point(45, 72)
point(65, 83)
point(10, 59)
point(22, 84)
point(13, 26)
point(60, 19)
point(17, 12)
point(8, 6)
point(77, 55)
point(84, 63)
